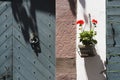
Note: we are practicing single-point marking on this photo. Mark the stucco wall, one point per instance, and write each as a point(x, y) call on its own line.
point(65, 39)
point(90, 68)
point(65, 28)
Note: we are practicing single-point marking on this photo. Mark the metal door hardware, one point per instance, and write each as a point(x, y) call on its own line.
point(35, 44)
point(33, 39)
point(6, 74)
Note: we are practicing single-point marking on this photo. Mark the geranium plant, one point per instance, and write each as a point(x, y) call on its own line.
point(87, 37)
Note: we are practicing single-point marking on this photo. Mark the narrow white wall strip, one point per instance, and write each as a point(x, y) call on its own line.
point(90, 68)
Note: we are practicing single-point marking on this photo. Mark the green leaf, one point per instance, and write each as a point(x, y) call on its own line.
point(86, 37)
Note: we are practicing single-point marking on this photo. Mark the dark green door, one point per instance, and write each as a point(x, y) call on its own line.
point(113, 39)
point(27, 40)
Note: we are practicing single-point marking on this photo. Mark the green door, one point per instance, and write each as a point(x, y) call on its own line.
point(27, 40)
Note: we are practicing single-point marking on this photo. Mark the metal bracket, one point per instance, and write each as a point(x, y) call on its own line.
point(6, 74)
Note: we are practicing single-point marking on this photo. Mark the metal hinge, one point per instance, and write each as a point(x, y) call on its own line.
point(6, 74)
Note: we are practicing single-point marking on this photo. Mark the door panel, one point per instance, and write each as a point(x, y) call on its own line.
point(5, 39)
point(113, 39)
point(27, 44)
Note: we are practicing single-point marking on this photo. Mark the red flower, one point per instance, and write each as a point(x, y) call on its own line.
point(94, 21)
point(80, 22)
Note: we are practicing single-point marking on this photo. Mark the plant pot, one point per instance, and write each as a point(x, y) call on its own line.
point(87, 51)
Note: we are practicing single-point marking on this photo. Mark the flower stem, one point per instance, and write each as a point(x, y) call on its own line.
point(90, 21)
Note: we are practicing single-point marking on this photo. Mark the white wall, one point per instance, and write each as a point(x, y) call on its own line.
point(90, 68)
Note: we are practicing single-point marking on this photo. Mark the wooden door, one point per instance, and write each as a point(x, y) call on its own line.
point(113, 39)
point(27, 45)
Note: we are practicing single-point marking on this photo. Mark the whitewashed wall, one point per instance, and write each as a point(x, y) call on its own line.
point(90, 68)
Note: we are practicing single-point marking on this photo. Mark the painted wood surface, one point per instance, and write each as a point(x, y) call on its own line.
point(113, 39)
point(16, 51)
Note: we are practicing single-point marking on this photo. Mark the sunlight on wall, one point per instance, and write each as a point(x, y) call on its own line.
point(90, 68)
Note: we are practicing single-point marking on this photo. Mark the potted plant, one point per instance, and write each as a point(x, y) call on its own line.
point(87, 39)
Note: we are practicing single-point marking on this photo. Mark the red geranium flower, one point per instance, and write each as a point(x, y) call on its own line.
point(94, 21)
point(80, 22)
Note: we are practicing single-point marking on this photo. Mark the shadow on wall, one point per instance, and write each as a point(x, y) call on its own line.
point(83, 4)
point(25, 14)
point(93, 65)
point(72, 4)
point(94, 68)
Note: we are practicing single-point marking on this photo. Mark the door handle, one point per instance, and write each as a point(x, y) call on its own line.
point(35, 43)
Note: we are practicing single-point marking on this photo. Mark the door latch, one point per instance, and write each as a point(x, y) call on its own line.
point(33, 38)
point(35, 43)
